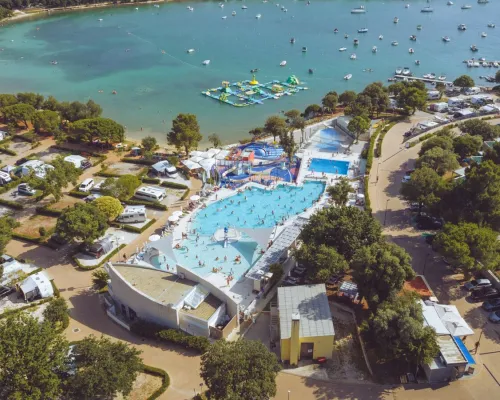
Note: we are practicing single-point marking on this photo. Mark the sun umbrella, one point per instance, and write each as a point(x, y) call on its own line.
point(177, 213)
point(173, 218)
point(154, 238)
point(194, 197)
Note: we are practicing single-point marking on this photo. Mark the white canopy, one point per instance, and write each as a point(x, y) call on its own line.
point(191, 165)
point(445, 319)
point(260, 235)
point(206, 154)
point(194, 197)
point(154, 238)
point(196, 159)
point(195, 153)
point(213, 151)
point(207, 164)
point(177, 213)
point(165, 245)
point(173, 218)
point(222, 154)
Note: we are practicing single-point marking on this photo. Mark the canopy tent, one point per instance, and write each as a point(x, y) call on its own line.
point(196, 159)
point(195, 153)
point(194, 197)
point(213, 151)
point(260, 235)
point(445, 319)
point(165, 245)
point(207, 164)
point(177, 213)
point(191, 165)
point(206, 154)
point(173, 218)
point(154, 238)
point(222, 154)
point(161, 166)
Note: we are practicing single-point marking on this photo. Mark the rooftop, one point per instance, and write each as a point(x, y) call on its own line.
point(311, 303)
point(164, 287)
point(450, 351)
point(206, 308)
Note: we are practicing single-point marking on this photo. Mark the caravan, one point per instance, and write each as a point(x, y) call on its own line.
point(132, 215)
point(4, 178)
point(150, 193)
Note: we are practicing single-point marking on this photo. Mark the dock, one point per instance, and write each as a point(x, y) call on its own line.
point(427, 80)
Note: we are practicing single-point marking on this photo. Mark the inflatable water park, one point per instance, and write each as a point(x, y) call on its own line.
point(247, 93)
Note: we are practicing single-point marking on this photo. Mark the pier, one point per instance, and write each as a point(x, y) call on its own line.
point(427, 80)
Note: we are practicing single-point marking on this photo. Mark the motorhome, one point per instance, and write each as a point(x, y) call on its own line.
point(132, 214)
point(150, 193)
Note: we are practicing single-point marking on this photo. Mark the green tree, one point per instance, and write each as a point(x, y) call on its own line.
point(243, 370)
point(397, 328)
point(296, 122)
point(347, 97)
point(477, 127)
point(321, 261)
point(292, 114)
point(346, 229)
point(60, 136)
point(339, 193)
point(100, 278)
point(6, 226)
point(46, 120)
point(82, 222)
point(440, 87)
point(103, 129)
point(7, 100)
point(439, 160)
point(57, 314)
point(425, 187)
point(33, 99)
point(215, 140)
point(443, 142)
point(497, 77)
point(149, 143)
point(380, 270)
point(19, 112)
point(277, 270)
point(185, 132)
point(469, 247)
point(360, 108)
point(103, 369)
point(275, 126)
point(492, 153)
point(57, 178)
point(32, 356)
point(312, 111)
point(75, 110)
point(464, 81)
point(109, 206)
point(378, 96)
point(94, 110)
point(412, 98)
point(289, 146)
point(467, 145)
point(256, 133)
point(51, 103)
point(359, 125)
point(330, 101)
point(121, 188)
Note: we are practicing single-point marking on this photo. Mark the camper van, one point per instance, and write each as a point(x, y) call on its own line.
point(86, 185)
point(4, 178)
point(132, 214)
point(433, 95)
point(150, 193)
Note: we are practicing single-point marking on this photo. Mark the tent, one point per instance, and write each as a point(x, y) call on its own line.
point(222, 154)
point(76, 160)
point(195, 153)
point(207, 164)
point(191, 165)
point(163, 167)
point(196, 159)
point(213, 151)
point(36, 285)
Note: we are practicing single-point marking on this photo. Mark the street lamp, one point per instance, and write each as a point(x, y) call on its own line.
point(385, 214)
point(288, 395)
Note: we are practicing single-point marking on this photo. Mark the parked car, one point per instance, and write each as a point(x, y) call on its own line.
point(91, 197)
point(477, 284)
point(26, 189)
point(484, 294)
point(298, 272)
point(290, 281)
point(406, 178)
point(425, 221)
point(85, 164)
point(491, 305)
point(21, 161)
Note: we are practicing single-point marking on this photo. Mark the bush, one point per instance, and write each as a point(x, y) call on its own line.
point(12, 204)
point(150, 204)
point(135, 229)
point(42, 231)
point(141, 161)
point(6, 150)
point(174, 185)
point(105, 174)
point(165, 380)
point(368, 205)
point(105, 260)
point(185, 195)
point(57, 293)
point(57, 313)
point(154, 181)
point(46, 210)
point(77, 193)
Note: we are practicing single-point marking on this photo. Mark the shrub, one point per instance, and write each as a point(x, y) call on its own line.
point(57, 313)
point(42, 231)
point(165, 380)
point(46, 210)
point(6, 150)
point(185, 195)
point(77, 193)
point(135, 229)
point(104, 260)
point(141, 161)
point(173, 185)
point(150, 204)
point(12, 204)
point(154, 181)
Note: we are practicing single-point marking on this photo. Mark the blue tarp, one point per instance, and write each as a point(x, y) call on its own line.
point(463, 349)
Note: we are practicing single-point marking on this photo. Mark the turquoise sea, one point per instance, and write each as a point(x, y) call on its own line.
point(123, 52)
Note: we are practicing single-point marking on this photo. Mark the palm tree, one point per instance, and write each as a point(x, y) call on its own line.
point(339, 193)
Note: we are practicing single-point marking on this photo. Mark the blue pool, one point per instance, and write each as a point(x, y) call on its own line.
point(329, 166)
point(328, 140)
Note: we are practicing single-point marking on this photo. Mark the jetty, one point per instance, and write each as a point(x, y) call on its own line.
point(415, 78)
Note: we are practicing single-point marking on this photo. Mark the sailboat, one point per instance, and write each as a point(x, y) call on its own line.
point(428, 8)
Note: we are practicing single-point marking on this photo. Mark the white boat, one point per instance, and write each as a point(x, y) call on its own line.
point(346, 36)
point(466, 7)
point(190, 8)
point(413, 38)
point(221, 5)
point(442, 77)
point(406, 71)
point(419, 27)
point(462, 27)
point(495, 64)
point(206, 62)
point(282, 63)
point(417, 62)
point(429, 76)
point(347, 77)
point(258, 16)
point(100, 19)
point(483, 1)
point(395, 20)
point(343, 49)
point(450, 3)
point(353, 56)
point(244, 7)
point(407, 6)
point(491, 25)
point(380, 37)
point(399, 71)
point(224, 17)
point(374, 49)
point(446, 38)
point(190, 51)
point(484, 34)
point(427, 9)
point(476, 64)
point(358, 10)
point(411, 51)
point(363, 30)
point(156, 6)
point(470, 63)
point(394, 43)
point(233, 13)
point(473, 48)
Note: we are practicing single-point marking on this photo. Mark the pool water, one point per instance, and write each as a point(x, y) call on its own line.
point(329, 166)
point(328, 140)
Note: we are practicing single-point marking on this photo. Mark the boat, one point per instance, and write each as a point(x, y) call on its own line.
point(413, 38)
point(253, 71)
point(475, 64)
point(394, 43)
point(311, 70)
point(474, 48)
point(483, 1)
point(100, 19)
point(156, 6)
point(221, 5)
point(224, 17)
point(346, 36)
point(363, 30)
point(470, 63)
point(407, 5)
point(419, 27)
point(466, 7)
point(190, 51)
point(292, 40)
point(495, 64)
point(427, 9)
point(491, 25)
point(353, 56)
point(206, 62)
point(406, 71)
point(398, 71)
point(335, 30)
point(233, 13)
point(374, 49)
point(358, 10)
point(484, 34)
point(446, 38)
point(380, 37)
point(190, 8)
point(282, 63)
point(304, 49)
point(244, 7)
point(432, 75)
point(395, 20)
point(347, 77)
point(450, 3)
point(356, 42)
point(411, 51)
point(54, 62)
point(258, 16)
point(442, 77)
point(343, 49)
point(462, 27)
point(417, 62)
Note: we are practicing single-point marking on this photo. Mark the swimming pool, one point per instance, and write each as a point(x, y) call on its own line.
point(328, 140)
point(329, 166)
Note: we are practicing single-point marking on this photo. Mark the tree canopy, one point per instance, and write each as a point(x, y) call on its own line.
point(477, 127)
point(346, 229)
point(256, 132)
point(464, 81)
point(6, 225)
point(109, 206)
point(443, 142)
point(46, 120)
point(185, 132)
point(378, 96)
point(122, 188)
point(312, 110)
point(330, 101)
point(380, 270)
point(275, 126)
point(339, 193)
point(359, 125)
point(149, 143)
point(84, 222)
point(243, 369)
point(103, 369)
point(215, 140)
point(467, 145)
point(103, 129)
point(75, 110)
point(439, 160)
point(32, 356)
point(33, 99)
point(19, 112)
point(424, 187)
point(57, 313)
point(321, 261)
point(347, 97)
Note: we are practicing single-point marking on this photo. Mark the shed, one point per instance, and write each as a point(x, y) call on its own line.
point(75, 159)
point(449, 365)
point(36, 285)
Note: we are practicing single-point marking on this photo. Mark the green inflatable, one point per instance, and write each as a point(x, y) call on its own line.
point(293, 80)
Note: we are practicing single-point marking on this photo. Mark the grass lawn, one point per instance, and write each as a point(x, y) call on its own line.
point(144, 386)
point(30, 226)
point(66, 201)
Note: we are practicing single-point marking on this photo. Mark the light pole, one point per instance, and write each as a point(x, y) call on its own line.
point(385, 214)
point(288, 395)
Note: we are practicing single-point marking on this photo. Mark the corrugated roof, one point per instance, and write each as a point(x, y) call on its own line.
point(311, 303)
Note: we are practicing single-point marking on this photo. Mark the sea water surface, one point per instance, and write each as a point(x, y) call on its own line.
point(142, 55)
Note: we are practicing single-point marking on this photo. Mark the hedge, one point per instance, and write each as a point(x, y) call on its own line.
point(154, 181)
point(12, 204)
point(105, 259)
point(105, 174)
point(77, 193)
point(46, 210)
point(6, 150)
point(173, 185)
point(14, 311)
point(150, 204)
point(165, 380)
point(369, 157)
point(368, 205)
point(32, 239)
point(135, 229)
point(378, 149)
point(141, 161)
point(57, 293)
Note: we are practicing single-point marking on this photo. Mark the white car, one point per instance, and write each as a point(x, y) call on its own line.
point(406, 179)
point(495, 317)
point(476, 284)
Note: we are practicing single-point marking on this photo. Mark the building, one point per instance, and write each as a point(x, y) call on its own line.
point(305, 323)
point(36, 286)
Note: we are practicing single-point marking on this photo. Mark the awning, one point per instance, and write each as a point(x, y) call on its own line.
point(222, 154)
point(178, 213)
point(196, 159)
point(214, 151)
point(165, 245)
point(191, 165)
point(173, 218)
point(195, 153)
point(194, 197)
point(260, 235)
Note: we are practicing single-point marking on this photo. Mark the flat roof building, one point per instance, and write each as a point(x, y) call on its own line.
point(305, 321)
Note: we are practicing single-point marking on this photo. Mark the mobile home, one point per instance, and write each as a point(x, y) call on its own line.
point(132, 214)
point(150, 193)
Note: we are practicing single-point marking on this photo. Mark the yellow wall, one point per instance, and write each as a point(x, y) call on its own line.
point(323, 346)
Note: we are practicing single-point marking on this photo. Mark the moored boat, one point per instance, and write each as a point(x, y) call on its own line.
point(343, 49)
point(353, 56)
point(394, 43)
point(446, 38)
point(473, 48)
point(411, 51)
point(374, 49)
point(347, 77)
point(462, 27)
point(398, 71)
point(282, 63)
point(466, 7)
point(363, 30)
point(380, 37)
point(484, 34)
point(395, 20)
point(206, 62)
point(358, 10)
